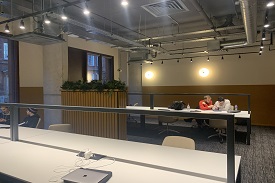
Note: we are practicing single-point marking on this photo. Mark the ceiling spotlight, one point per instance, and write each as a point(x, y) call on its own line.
point(86, 9)
point(63, 15)
point(151, 63)
point(46, 19)
point(240, 56)
point(22, 24)
point(260, 53)
point(7, 28)
point(191, 60)
point(207, 59)
point(124, 3)
point(161, 62)
point(262, 45)
point(270, 4)
point(266, 24)
point(261, 50)
point(178, 60)
point(140, 64)
point(222, 57)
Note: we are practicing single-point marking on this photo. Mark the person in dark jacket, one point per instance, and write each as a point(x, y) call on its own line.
point(5, 115)
point(32, 118)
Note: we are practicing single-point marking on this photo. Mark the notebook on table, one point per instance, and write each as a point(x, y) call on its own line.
point(85, 175)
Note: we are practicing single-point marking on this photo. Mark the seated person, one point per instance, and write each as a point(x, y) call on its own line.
point(32, 118)
point(5, 115)
point(222, 104)
point(205, 104)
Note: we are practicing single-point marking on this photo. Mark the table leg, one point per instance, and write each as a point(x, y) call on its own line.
point(248, 131)
point(142, 121)
point(230, 150)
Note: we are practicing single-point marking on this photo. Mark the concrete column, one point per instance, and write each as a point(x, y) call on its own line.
point(55, 72)
point(135, 83)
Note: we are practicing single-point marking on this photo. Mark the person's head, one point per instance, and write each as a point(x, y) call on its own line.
point(31, 111)
point(207, 98)
point(5, 109)
point(220, 100)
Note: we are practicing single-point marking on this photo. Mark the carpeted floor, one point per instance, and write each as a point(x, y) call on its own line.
point(258, 159)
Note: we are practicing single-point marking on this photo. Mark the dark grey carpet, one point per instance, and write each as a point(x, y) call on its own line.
point(258, 159)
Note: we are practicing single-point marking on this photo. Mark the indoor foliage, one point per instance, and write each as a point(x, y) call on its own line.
point(94, 85)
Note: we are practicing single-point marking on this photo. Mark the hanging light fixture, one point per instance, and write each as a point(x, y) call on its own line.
point(240, 56)
point(261, 50)
point(262, 45)
point(222, 57)
point(263, 35)
point(208, 59)
point(7, 28)
point(86, 10)
point(63, 15)
point(266, 23)
point(161, 62)
point(46, 19)
point(191, 60)
point(22, 24)
point(178, 60)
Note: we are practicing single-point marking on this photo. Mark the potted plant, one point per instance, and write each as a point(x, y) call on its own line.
point(110, 94)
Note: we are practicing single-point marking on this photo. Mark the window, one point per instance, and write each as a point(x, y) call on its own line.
point(100, 67)
point(6, 51)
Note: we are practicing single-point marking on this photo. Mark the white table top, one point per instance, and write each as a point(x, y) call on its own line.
point(242, 114)
point(186, 161)
point(39, 164)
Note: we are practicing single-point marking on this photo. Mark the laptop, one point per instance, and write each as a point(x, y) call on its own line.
point(85, 175)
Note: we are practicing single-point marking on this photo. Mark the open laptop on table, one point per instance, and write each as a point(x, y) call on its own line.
point(85, 175)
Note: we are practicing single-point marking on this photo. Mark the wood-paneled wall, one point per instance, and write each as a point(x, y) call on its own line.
point(110, 125)
point(262, 98)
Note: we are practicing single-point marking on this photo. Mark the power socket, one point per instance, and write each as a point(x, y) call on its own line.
point(88, 154)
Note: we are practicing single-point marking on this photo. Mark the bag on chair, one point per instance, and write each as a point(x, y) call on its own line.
point(178, 105)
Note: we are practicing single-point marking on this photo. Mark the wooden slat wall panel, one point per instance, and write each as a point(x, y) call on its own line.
point(262, 99)
point(108, 125)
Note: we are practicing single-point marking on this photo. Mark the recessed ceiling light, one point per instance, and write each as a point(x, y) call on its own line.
point(46, 20)
point(86, 12)
point(270, 4)
point(124, 3)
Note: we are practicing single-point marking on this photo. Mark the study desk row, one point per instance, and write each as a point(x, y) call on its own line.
point(244, 115)
point(46, 156)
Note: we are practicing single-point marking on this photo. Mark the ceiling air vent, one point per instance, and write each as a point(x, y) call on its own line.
point(165, 8)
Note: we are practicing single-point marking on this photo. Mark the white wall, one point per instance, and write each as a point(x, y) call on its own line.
point(30, 65)
point(98, 48)
point(251, 69)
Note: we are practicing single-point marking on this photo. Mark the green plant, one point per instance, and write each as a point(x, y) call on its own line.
point(94, 85)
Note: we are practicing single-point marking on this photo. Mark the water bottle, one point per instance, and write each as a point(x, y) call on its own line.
point(236, 107)
point(188, 107)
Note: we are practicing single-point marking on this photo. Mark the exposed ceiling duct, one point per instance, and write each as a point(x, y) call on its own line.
point(249, 15)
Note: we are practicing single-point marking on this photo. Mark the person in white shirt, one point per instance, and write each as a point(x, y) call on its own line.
point(222, 104)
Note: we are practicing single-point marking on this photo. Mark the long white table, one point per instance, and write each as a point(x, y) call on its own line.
point(243, 115)
point(43, 151)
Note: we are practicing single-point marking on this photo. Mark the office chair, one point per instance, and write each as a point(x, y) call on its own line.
point(167, 120)
point(38, 123)
point(220, 126)
point(180, 142)
point(61, 127)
